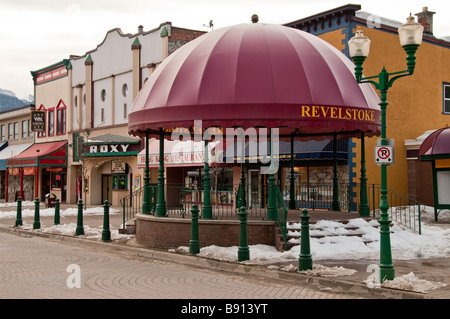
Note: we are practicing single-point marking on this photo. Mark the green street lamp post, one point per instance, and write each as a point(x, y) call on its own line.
point(410, 35)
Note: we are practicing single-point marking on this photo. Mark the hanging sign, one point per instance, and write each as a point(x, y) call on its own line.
point(38, 121)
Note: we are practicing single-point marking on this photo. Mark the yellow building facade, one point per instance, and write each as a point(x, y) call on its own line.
point(416, 103)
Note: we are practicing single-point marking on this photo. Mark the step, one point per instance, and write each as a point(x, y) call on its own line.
point(315, 231)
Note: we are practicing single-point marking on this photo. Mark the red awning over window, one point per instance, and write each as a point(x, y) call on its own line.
point(41, 154)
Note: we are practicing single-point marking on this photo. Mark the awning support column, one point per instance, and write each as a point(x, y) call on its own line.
point(363, 204)
point(292, 178)
point(335, 205)
point(161, 204)
point(271, 209)
point(207, 209)
point(146, 199)
point(242, 188)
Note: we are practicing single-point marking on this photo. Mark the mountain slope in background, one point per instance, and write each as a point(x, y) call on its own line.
point(8, 100)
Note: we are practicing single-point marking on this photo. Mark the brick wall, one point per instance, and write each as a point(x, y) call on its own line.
point(180, 37)
point(165, 233)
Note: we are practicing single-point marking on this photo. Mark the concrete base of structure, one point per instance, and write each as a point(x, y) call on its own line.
point(167, 232)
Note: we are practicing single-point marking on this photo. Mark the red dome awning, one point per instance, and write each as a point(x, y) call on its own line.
point(253, 75)
point(436, 145)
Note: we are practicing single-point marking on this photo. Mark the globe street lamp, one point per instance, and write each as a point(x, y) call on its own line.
point(410, 35)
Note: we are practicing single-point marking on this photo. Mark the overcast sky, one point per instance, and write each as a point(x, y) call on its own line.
point(38, 33)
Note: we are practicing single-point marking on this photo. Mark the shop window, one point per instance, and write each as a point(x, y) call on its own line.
point(56, 180)
point(446, 102)
point(120, 181)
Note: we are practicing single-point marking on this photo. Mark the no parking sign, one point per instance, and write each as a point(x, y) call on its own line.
point(384, 155)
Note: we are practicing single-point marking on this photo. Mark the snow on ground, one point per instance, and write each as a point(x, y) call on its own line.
point(432, 243)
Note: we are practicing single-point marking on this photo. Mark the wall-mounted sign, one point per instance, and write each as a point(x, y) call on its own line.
point(38, 121)
point(117, 167)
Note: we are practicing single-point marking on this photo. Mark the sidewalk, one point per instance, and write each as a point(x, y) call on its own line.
point(431, 270)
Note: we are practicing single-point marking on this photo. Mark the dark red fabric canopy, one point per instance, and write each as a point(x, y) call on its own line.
point(253, 75)
point(436, 144)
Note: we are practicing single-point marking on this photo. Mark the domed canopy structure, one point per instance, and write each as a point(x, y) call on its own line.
point(257, 75)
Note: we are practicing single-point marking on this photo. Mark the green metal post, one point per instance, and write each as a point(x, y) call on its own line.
point(194, 244)
point(271, 207)
point(146, 199)
point(56, 219)
point(305, 259)
point(19, 212)
point(36, 223)
point(335, 205)
point(207, 209)
point(242, 185)
point(386, 266)
point(363, 204)
point(161, 204)
point(80, 229)
point(106, 233)
point(243, 250)
point(292, 178)
point(383, 84)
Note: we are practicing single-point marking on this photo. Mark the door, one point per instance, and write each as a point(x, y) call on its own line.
point(107, 188)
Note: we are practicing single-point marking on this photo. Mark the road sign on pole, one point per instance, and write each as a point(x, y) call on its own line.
point(384, 155)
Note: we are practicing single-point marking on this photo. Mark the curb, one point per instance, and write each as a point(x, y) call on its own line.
point(136, 251)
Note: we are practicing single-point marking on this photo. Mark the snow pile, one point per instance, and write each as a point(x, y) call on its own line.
point(324, 271)
point(50, 212)
point(412, 283)
point(70, 229)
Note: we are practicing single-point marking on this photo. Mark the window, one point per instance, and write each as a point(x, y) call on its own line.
point(446, 102)
point(51, 117)
point(30, 132)
point(61, 121)
point(102, 114)
point(16, 130)
point(124, 90)
point(103, 95)
point(125, 111)
point(10, 131)
point(24, 129)
point(120, 181)
point(3, 133)
point(56, 180)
